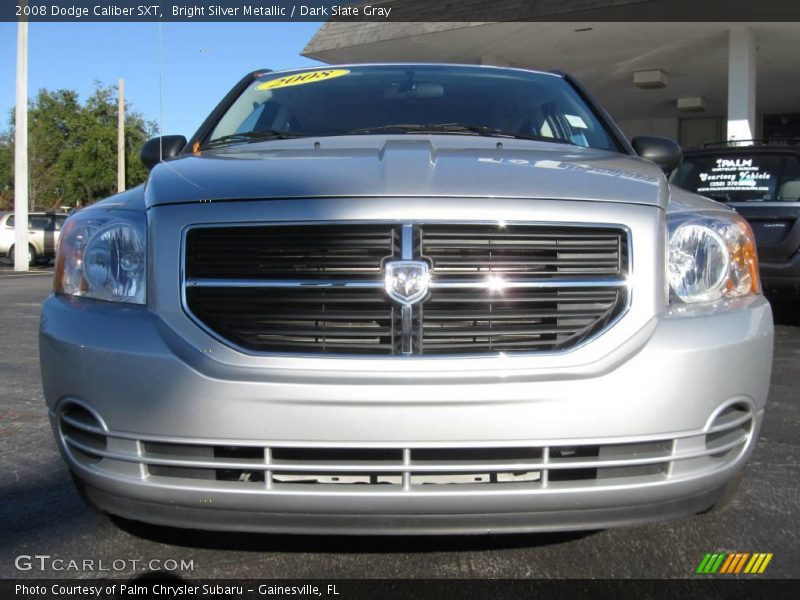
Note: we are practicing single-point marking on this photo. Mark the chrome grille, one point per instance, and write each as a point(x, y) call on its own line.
point(319, 288)
point(521, 251)
point(294, 252)
point(456, 320)
point(408, 469)
point(336, 320)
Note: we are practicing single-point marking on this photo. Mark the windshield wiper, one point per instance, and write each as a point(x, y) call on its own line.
point(248, 137)
point(457, 128)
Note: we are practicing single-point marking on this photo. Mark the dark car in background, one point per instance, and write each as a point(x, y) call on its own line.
point(762, 183)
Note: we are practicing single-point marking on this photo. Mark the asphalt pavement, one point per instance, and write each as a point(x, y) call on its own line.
point(41, 514)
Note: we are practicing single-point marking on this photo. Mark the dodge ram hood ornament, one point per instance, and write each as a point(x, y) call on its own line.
point(406, 281)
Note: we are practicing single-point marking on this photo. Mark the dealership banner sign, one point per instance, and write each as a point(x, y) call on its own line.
point(397, 10)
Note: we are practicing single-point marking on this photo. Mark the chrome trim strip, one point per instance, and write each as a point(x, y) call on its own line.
point(528, 489)
point(411, 467)
point(738, 422)
point(407, 242)
point(406, 330)
point(407, 311)
point(283, 283)
point(531, 284)
point(64, 404)
point(83, 426)
point(614, 282)
point(545, 477)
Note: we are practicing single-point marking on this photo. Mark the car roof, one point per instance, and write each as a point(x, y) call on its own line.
point(402, 65)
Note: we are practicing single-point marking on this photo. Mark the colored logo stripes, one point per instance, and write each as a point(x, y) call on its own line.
point(734, 562)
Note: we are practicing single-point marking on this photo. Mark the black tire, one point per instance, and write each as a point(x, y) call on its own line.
point(731, 489)
point(80, 486)
point(32, 256)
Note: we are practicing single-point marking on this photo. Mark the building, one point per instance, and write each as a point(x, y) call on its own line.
point(694, 82)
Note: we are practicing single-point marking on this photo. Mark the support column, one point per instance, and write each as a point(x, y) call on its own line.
point(21, 152)
point(121, 135)
point(741, 84)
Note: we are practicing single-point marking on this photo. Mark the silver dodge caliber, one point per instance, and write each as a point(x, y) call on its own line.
point(406, 298)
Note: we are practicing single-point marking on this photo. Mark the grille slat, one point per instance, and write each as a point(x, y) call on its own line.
point(580, 297)
point(459, 250)
point(492, 320)
point(278, 316)
point(263, 252)
point(260, 319)
point(502, 330)
point(319, 289)
point(507, 314)
point(319, 346)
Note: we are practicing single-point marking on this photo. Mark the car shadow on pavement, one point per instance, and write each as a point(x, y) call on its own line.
point(262, 542)
point(42, 510)
point(7, 264)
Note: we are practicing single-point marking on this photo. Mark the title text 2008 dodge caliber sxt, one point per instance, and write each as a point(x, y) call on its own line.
point(406, 299)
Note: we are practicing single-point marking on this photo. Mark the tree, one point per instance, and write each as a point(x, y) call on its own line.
point(6, 170)
point(73, 149)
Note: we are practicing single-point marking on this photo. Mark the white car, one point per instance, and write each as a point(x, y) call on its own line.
point(43, 231)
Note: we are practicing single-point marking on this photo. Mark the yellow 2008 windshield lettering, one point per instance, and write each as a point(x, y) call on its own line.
point(301, 78)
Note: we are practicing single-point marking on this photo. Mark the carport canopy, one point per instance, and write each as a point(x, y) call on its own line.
point(738, 69)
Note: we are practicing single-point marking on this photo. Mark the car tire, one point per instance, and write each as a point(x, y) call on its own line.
point(32, 256)
point(730, 491)
point(80, 486)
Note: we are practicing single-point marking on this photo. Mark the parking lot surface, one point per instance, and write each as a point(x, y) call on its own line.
point(41, 513)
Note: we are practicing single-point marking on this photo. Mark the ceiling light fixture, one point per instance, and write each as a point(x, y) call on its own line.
point(650, 80)
point(692, 104)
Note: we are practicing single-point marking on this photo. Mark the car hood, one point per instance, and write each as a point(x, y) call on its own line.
point(406, 166)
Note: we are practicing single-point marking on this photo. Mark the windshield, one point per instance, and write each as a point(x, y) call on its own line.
point(742, 177)
point(34, 222)
point(419, 99)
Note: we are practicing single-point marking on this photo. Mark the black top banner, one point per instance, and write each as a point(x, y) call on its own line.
point(399, 10)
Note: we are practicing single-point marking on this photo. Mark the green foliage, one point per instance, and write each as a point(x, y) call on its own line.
point(72, 149)
point(6, 170)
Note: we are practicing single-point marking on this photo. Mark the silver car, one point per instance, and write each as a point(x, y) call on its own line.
point(43, 231)
point(406, 299)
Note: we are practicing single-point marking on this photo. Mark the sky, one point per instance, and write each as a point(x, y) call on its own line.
point(201, 62)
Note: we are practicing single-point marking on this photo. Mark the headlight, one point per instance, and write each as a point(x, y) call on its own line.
point(102, 255)
point(711, 256)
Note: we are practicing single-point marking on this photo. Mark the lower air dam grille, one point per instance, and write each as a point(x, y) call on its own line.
point(268, 468)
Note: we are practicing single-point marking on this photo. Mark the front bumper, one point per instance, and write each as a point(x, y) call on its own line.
point(651, 431)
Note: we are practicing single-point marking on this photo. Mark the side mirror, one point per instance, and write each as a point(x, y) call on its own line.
point(663, 151)
point(168, 146)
